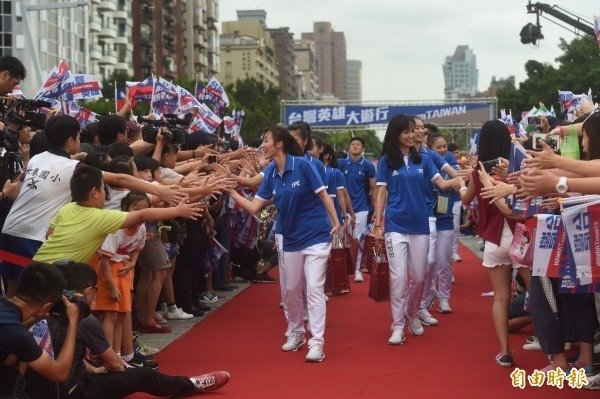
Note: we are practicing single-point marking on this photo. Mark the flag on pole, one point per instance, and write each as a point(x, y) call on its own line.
point(119, 98)
point(186, 100)
point(80, 87)
point(215, 94)
point(83, 115)
point(231, 125)
point(140, 91)
point(51, 88)
point(205, 120)
point(165, 97)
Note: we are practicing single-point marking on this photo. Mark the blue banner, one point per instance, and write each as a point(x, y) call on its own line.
point(364, 115)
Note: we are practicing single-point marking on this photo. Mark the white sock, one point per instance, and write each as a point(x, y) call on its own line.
point(127, 358)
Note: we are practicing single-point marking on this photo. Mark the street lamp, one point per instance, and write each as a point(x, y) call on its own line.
point(26, 8)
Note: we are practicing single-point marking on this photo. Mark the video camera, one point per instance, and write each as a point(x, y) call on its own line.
point(173, 134)
point(19, 112)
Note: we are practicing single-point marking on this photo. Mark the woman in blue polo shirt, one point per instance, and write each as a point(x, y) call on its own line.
point(301, 133)
point(304, 212)
point(401, 174)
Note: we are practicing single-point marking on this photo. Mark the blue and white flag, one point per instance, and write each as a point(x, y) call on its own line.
point(165, 97)
point(214, 93)
point(205, 120)
point(81, 87)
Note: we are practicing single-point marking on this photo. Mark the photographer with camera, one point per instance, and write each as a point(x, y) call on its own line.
point(117, 381)
point(36, 294)
point(12, 71)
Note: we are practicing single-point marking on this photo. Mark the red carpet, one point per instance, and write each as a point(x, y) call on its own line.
point(452, 360)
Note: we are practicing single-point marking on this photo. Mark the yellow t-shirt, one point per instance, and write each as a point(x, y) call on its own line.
point(79, 231)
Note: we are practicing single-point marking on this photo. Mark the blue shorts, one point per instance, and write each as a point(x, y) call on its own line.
point(18, 246)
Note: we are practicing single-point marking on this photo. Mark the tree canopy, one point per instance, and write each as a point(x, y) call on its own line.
point(578, 69)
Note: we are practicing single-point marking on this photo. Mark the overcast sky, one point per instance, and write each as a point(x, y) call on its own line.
point(402, 44)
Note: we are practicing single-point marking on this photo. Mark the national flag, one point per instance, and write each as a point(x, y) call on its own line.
point(140, 91)
point(522, 207)
point(186, 101)
point(205, 120)
point(41, 334)
point(165, 97)
point(215, 94)
point(231, 125)
point(569, 103)
point(83, 115)
point(80, 87)
point(119, 98)
point(51, 88)
point(215, 252)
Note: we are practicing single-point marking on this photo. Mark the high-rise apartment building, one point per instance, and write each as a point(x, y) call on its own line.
point(50, 36)
point(202, 39)
point(247, 51)
point(354, 80)
point(289, 78)
point(460, 74)
point(110, 38)
point(159, 28)
point(306, 61)
point(331, 53)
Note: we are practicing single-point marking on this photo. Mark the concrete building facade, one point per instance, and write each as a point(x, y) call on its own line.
point(354, 80)
point(306, 62)
point(461, 75)
point(331, 53)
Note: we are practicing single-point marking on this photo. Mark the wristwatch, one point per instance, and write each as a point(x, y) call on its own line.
point(561, 186)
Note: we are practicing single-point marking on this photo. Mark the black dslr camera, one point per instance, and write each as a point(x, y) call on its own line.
point(174, 132)
point(20, 112)
point(59, 310)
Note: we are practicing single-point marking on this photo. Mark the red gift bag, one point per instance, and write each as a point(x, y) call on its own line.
point(336, 278)
point(352, 245)
point(367, 253)
point(379, 287)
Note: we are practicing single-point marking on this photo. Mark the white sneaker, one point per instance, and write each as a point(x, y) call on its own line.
point(397, 337)
point(178, 314)
point(593, 383)
point(456, 258)
point(444, 306)
point(426, 318)
point(315, 354)
point(358, 277)
point(414, 325)
point(294, 341)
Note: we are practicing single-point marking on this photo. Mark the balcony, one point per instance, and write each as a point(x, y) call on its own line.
point(107, 6)
point(122, 66)
point(108, 59)
point(95, 26)
point(107, 33)
point(122, 39)
point(95, 54)
point(120, 15)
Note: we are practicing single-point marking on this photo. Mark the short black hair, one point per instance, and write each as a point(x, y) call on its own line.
point(356, 138)
point(305, 131)
point(120, 165)
point(133, 197)
point(38, 144)
point(142, 162)
point(40, 283)
point(169, 149)
point(118, 149)
point(78, 275)
point(60, 128)
point(109, 127)
point(14, 66)
point(84, 179)
point(431, 128)
point(89, 133)
point(452, 147)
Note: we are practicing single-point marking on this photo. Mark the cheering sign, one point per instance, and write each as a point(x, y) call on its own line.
point(548, 235)
point(582, 224)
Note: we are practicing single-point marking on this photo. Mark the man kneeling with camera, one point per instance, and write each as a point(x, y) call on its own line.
point(38, 290)
point(117, 381)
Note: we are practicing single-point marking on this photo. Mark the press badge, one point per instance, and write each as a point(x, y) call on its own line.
point(442, 205)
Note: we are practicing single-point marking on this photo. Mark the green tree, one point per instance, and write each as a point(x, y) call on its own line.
point(578, 69)
point(261, 104)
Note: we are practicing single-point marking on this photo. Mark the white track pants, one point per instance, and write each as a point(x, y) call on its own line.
point(407, 253)
point(443, 261)
point(307, 267)
point(456, 213)
point(279, 245)
point(431, 271)
point(359, 229)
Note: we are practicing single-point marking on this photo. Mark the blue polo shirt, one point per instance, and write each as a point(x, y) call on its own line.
point(406, 211)
point(451, 160)
point(302, 217)
point(336, 180)
point(319, 167)
point(357, 176)
point(269, 169)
